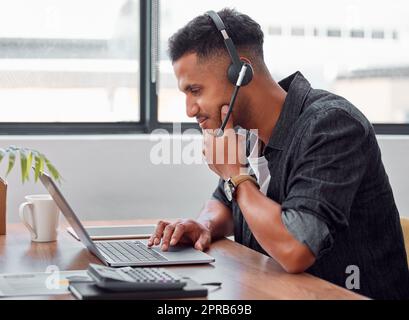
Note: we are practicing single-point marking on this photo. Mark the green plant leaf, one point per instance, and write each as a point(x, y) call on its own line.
point(23, 161)
point(39, 165)
point(42, 164)
point(27, 157)
point(12, 160)
point(54, 172)
point(29, 163)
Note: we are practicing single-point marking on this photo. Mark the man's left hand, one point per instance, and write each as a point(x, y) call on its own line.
point(225, 155)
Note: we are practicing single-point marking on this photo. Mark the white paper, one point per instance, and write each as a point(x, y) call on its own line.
point(39, 283)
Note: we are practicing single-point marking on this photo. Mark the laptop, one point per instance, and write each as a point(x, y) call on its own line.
point(121, 253)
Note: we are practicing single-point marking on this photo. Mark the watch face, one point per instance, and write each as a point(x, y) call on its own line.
point(228, 190)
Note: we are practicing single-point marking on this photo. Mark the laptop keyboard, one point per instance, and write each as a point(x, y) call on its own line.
point(129, 251)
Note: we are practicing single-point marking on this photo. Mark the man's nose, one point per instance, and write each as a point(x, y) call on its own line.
point(192, 109)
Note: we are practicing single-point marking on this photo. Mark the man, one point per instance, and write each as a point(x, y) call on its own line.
point(322, 202)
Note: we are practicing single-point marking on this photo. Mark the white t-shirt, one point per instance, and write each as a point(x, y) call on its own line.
point(259, 165)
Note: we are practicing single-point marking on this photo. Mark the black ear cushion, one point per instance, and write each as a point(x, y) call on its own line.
point(233, 74)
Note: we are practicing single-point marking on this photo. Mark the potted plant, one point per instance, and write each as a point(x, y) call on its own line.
point(29, 158)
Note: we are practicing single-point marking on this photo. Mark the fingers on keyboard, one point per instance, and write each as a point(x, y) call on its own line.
point(157, 235)
point(167, 234)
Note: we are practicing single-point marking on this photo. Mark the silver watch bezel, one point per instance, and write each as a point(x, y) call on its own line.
point(229, 189)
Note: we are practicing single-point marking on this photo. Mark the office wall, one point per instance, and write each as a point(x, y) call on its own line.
point(112, 177)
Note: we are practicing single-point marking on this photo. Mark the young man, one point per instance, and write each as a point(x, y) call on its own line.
point(322, 202)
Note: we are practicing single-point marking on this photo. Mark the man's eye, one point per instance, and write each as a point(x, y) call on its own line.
point(195, 91)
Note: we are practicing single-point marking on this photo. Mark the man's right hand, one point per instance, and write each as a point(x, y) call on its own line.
point(185, 231)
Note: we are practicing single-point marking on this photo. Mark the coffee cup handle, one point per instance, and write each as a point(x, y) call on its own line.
point(22, 214)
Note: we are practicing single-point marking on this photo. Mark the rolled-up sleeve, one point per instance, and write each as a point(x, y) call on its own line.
point(324, 179)
point(309, 230)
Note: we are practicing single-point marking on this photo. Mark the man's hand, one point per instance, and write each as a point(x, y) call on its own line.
point(225, 155)
point(186, 231)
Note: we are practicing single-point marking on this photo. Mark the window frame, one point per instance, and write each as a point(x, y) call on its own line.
point(91, 128)
point(149, 72)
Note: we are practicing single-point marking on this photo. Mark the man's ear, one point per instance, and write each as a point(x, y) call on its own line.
point(246, 60)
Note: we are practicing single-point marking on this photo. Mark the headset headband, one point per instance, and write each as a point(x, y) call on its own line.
point(231, 49)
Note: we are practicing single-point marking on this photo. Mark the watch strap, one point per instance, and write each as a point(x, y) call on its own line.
point(236, 180)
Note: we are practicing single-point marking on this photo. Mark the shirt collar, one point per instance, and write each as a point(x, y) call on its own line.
point(297, 88)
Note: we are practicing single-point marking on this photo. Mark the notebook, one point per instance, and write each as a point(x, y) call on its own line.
point(89, 291)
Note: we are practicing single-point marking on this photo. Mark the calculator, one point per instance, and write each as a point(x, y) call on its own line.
point(135, 279)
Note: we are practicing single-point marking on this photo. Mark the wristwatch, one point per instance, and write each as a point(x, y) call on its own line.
point(231, 184)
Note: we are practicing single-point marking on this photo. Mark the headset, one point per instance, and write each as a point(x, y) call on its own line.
point(240, 71)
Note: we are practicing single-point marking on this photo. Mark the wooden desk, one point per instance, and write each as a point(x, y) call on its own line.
point(244, 273)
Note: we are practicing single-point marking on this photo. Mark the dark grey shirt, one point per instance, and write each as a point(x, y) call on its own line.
point(327, 174)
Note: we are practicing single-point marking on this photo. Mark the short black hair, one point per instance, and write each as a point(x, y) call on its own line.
point(201, 36)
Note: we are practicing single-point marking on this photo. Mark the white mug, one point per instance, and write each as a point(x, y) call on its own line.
point(41, 218)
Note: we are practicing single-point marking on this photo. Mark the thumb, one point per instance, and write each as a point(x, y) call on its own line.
point(224, 111)
point(201, 243)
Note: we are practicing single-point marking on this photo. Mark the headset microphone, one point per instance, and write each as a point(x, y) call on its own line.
point(239, 73)
point(242, 73)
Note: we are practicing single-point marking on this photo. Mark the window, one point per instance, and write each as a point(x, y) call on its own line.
point(378, 34)
point(333, 32)
point(101, 66)
point(297, 31)
point(357, 33)
point(361, 68)
point(274, 30)
point(69, 61)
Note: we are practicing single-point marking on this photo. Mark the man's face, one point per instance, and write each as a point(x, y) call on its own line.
point(206, 87)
